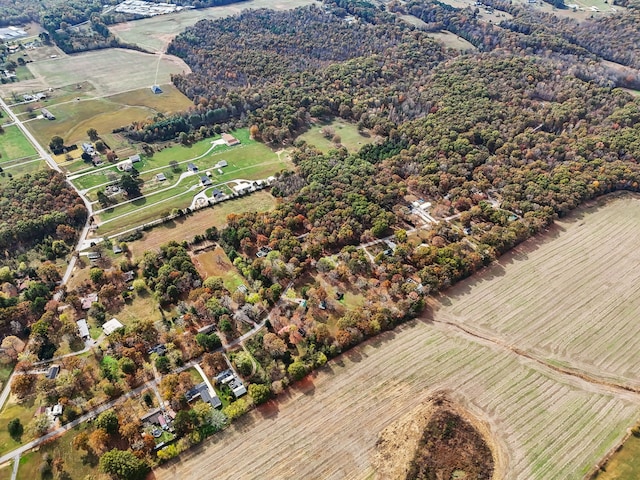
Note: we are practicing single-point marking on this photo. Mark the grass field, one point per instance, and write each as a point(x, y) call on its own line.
point(544, 424)
point(155, 33)
point(251, 161)
point(451, 40)
point(195, 224)
point(75, 464)
point(24, 411)
point(625, 463)
point(15, 146)
point(349, 135)
point(75, 117)
point(110, 71)
point(215, 263)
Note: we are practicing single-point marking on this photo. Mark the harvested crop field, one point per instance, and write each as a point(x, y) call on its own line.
point(110, 71)
point(573, 301)
point(544, 424)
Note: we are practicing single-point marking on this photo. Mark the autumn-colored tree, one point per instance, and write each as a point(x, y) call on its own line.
point(22, 385)
point(81, 441)
point(12, 346)
point(274, 345)
point(130, 428)
point(98, 441)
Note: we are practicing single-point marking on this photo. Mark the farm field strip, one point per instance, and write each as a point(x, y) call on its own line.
point(591, 326)
point(110, 71)
point(432, 358)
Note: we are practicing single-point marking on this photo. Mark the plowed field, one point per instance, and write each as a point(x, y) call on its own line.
point(557, 299)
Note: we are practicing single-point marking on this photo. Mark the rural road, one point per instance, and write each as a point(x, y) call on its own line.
point(41, 151)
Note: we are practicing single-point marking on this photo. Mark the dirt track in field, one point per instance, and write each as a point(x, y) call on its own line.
point(545, 424)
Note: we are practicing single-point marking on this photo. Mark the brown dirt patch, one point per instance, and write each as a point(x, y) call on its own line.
point(438, 439)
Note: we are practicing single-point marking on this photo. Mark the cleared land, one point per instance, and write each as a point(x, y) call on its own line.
point(197, 223)
point(110, 71)
point(215, 263)
point(15, 146)
point(155, 33)
point(74, 117)
point(329, 425)
point(349, 135)
point(590, 323)
point(451, 40)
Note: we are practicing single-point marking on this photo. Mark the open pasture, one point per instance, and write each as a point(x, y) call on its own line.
point(451, 40)
point(186, 228)
point(110, 71)
point(349, 135)
point(75, 116)
point(14, 146)
point(155, 33)
point(579, 293)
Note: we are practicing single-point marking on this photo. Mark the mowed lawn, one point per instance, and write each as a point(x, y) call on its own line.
point(14, 145)
point(155, 33)
point(349, 135)
point(75, 117)
point(110, 71)
point(251, 161)
point(186, 228)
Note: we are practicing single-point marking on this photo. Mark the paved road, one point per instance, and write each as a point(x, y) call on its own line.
point(87, 416)
point(41, 151)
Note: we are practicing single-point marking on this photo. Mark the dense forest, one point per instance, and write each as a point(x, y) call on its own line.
point(33, 207)
point(280, 70)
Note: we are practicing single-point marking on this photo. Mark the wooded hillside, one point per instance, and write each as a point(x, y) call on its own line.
point(33, 206)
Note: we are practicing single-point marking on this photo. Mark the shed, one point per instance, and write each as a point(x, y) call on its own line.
point(111, 326)
point(191, 167)
point(125, 166)
point(237, 388)
point(161, 177)
point(230, 140)
point(83, 329)
point(53, 372)
point(221, 163)
point(242, 188)
point(134, 158)
point(116, 248)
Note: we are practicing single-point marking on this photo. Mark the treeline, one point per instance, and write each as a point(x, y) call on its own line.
point(32, 207)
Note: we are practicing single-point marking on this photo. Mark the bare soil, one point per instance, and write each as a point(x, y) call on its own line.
point(436, 440)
